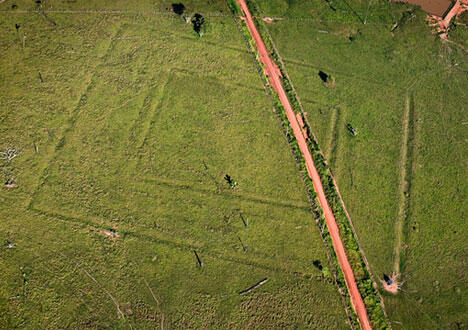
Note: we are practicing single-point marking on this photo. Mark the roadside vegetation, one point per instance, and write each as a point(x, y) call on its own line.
point(153, 185)
point(365, 283)
point(359, 122)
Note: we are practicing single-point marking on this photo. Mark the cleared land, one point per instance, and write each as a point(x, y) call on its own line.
point(373, 71)
point(434, 7)
point(128, 122)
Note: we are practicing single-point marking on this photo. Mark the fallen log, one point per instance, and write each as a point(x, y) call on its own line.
point(253, 287)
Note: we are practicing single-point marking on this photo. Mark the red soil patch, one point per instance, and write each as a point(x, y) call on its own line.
point(442, 24)
point(433, 7)
point(272, 72)
point(394, 286)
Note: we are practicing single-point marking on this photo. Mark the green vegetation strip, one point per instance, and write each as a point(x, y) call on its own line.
point(372, 299)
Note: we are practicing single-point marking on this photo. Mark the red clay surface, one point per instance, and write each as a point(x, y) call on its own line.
point(459, 7)
point(273, 73)
point(443, 24)
point(433, 7)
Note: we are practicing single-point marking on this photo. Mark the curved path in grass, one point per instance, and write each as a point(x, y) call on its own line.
point(273, 73)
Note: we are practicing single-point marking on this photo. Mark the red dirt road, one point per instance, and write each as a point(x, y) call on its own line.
point(273, 73)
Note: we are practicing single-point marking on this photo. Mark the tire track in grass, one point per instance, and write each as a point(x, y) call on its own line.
point(406, 164)
point(153, 102)
point(274, 76)
point(335, 132)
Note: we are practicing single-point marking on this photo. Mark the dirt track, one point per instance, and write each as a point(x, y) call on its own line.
point(274, 76)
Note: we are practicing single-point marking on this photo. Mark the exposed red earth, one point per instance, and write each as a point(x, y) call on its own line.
point(459, 7)
point(432, 7)
point(273, 73)
point(442, 23)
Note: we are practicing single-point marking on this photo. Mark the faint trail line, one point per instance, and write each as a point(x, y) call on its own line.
point(172, 15)
point(105, 290)
point(402, 190)
point(353, 11)
point(181, 244)
point(367, 10)
point(157, 303)
point(457, 44)
point(152, 293)
point(150, 110)
point(273, 72)
point(334, 129)
point(405, 177)
point(248, 197)
point(99, 284)
point(317, 67)
point(71, 120)
point(331, 132)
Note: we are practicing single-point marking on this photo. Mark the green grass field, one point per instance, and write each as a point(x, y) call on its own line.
point(376, 74)
point(127, 123)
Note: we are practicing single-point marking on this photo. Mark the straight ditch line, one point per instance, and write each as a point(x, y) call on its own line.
point(180, 244)
point(150, 110)
point(71, 122)
point(405, 179)
point(334, 135)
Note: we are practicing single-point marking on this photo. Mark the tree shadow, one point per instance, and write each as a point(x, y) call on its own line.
point(318, 264)
point(323, 76)
point(178, 8)
point(387, 279)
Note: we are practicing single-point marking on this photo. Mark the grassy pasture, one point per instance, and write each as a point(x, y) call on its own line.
point(125, 143)
point(374, 74)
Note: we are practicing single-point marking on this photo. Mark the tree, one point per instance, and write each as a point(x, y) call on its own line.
point(230, 181)
point(198, 22)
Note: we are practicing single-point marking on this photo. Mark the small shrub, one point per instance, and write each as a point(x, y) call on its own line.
point(198, 22)
point(351, 129)
point(327, 78)
point(233, 184)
